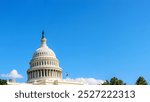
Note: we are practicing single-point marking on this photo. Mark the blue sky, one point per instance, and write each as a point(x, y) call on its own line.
point(91, 38)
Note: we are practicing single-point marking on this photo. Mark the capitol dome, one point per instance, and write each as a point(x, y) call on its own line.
point(44, 65)
point(44, 51)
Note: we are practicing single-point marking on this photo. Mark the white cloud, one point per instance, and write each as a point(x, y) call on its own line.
point(88, 81)
point(13, 75)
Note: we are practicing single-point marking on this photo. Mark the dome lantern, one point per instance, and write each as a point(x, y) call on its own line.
point(43, 40)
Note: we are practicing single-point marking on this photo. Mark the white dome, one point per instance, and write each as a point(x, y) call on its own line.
point(44, 50)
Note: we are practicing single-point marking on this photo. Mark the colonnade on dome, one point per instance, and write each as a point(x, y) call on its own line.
point(51, 73)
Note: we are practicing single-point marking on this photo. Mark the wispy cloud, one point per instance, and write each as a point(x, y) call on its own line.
point(88, 81)
point(13, 75)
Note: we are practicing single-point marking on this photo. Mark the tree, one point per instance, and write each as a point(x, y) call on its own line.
point(114, 81)
point(3, 82)
point(141, 81)
point(106, 83)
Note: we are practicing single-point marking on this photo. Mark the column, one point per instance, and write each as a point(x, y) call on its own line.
point(33, 74)
point(52, 73)
point(56, 74)
point(41, 73)
point(37, 74)
point(47, 72)
point(59, 74)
